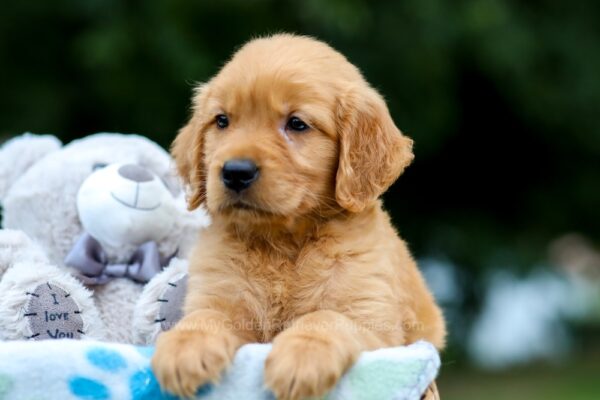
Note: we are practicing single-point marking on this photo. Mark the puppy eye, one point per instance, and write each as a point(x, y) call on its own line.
point(296, 124)
point(222, 121)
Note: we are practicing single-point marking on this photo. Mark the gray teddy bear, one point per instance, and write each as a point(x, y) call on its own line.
point(94, 240)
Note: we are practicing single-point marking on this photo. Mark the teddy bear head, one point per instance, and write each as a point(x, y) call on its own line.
point(125, 204)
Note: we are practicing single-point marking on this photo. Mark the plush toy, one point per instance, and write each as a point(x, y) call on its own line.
point(95, 239)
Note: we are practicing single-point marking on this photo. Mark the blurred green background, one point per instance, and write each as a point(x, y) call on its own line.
point(502, 98)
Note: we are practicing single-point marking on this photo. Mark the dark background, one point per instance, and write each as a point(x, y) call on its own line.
point(502, 99)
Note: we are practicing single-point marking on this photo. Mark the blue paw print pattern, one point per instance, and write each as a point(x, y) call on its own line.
point(144, 386)
point(109, 366)
point(108, 363)
point(105, 359)
point(89, 389)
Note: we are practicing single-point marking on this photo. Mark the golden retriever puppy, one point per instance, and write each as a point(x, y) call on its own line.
point(289, 148)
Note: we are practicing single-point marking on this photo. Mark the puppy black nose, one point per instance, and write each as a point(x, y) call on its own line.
point(238, 175)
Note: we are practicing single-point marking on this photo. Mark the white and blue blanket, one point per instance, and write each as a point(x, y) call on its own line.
point(78, 370)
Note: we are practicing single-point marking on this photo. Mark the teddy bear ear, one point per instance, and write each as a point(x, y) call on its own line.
point(20, 153)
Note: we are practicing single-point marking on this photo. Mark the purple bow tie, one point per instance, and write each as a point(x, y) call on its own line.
point(88, 256)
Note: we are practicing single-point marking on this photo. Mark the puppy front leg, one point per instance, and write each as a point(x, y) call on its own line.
point(310, 356)
point(196, 351)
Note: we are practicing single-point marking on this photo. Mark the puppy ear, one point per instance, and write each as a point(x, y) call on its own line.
point(373, 152)
point(188, 151)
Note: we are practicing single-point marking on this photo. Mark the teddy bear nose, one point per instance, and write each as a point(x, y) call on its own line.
point(135, 173)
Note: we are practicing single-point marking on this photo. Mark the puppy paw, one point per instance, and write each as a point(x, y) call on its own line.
point(302, 366)
point(186, 360)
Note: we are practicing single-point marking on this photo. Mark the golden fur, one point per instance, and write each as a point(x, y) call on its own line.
point(311, 260)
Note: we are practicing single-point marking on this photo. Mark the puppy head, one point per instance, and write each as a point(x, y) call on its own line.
point(288, 128)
